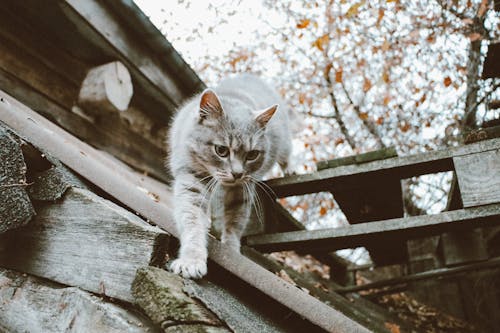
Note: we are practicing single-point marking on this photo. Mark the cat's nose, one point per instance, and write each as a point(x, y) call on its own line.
point(237, 175)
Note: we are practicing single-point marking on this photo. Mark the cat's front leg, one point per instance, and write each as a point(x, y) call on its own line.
point(237, 209)
point(192, 223)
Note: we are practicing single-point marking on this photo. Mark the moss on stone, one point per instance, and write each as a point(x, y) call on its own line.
point(160, 294)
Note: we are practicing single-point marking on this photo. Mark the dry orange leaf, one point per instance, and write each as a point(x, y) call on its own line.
point(363, 115)
point(386, 45)
point(405, 127)
point(339, 141)
point(392, 327)
point(354, 9)
point(302, 98)
point(302, 24)
point(322, 211)
point(321, 42)
point(338, 75)
point(381, 13)
point(380, 120)
point(367, 85)
point(447, 81)
point(387, 99)
point(385, 77)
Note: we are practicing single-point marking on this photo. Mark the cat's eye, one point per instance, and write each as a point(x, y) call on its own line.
point(252, 155)
point(222, 151)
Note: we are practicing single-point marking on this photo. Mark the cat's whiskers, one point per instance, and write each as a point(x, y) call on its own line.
point(254, 200)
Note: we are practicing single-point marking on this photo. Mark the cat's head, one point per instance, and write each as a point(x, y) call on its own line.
point(232, 141)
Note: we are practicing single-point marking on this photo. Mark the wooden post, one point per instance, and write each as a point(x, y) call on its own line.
point(106, 88)
point(479, 177)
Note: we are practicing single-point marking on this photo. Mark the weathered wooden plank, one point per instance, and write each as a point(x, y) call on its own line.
point(160, 294)
point(479, 177)
point(16, 209)
point(128, 187)
point(375, 199)
point(379, 199)
point(398, 167)
point(359, 158)
point(110, 135)
point(237, 314)
point(49, 82)
point(317, 288)
point(493, 263)
point(30, 304)
point(85, 241)
point(462, 247)
point(381, 231)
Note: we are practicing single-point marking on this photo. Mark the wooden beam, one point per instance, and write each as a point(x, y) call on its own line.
point(359, 158)
point(479, 177)
point(105, 29)
point(46, 72)
point(106, 88)
point(84, 241)
point(493, 263)
point(316, 287)
point(397, 167)
point(381, 231)
point(128, 187)
point(31, 304)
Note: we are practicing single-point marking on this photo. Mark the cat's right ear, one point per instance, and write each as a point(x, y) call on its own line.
point(210, 105)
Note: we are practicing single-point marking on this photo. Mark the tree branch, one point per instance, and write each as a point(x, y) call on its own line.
point(370, 125)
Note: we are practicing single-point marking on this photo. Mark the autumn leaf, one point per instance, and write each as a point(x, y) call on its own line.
point(302, 24)
point(387, 99)
point(354, 9)
point(328, 68)
point(385, 77)
point(405, 127)
point(322, 211)
point(367, 85)
point(380, 120)
point(394, 328)
point(321, 42)
point(447, 81)
point(237, 59)
point(363, 115)
point(338, 75)
point(302, 98)
point(339, 141)
point(381, 13)
point(386, 45)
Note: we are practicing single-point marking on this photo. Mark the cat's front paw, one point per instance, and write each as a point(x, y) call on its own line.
point(191, 268)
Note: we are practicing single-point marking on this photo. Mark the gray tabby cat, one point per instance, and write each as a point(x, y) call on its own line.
point(223, 140)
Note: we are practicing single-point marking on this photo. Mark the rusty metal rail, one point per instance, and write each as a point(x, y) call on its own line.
point(153, 201)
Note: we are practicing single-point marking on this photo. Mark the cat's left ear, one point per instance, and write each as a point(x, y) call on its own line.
point(263, 117)
point(210, 104)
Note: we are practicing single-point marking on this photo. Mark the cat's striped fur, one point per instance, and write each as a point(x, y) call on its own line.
point(223, 141)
